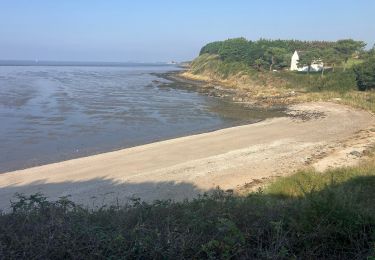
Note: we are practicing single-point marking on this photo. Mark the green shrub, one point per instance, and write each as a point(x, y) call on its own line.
point(338, 81)
point(365, 75)
point(306, 216)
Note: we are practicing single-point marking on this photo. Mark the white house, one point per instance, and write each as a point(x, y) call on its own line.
point(316, 66)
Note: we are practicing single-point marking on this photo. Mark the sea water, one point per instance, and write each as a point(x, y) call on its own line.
point(55, 112)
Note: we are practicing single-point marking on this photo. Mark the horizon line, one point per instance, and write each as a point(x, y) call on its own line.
point(19, 62)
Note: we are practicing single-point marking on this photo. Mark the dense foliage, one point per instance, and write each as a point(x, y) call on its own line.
point(306, 216)
point(339, 81)
point(365, 74)
point(240, 57)
point(276, 54)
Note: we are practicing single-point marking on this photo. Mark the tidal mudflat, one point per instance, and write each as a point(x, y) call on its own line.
point(55, 113)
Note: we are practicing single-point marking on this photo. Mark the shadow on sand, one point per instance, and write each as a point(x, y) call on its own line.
point(335, 222)
point(99, 192)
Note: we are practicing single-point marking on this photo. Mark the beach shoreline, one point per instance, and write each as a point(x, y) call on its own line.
point(61, 125)
point(247, 95)
point(319, 135)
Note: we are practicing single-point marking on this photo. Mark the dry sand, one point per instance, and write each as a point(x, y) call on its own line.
point(318, 134)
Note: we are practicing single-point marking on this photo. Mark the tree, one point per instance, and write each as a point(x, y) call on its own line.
point(259, 64)
point(372, 51)
point(369, 54)
point(365, 75)
point(211, 48)
point(275, 55)
point(235, 50)
point(330, 56)
point(346, 48)
point(308, 58)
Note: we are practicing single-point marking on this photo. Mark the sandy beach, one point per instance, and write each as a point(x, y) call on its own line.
point(319, 135)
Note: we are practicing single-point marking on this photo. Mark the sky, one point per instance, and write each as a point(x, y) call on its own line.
point(165, 30)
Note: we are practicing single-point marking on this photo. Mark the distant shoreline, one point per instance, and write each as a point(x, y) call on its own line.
point(217, 89)
point(81, 63)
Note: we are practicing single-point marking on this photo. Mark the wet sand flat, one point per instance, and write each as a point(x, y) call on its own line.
point(56, 113)
point(183, 167)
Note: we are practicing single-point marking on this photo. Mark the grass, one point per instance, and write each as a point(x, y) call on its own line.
point(339, 86)
point(357, 99)
point(212, 65)
point(309, 215)
point(338, 81)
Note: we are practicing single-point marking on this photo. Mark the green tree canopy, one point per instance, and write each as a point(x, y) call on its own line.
point(235, 50)
point(330, 57)
point(308, 58)
point(277, 53)
point(346, 48)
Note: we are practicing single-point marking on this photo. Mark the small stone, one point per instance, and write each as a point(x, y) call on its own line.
point(355, 153)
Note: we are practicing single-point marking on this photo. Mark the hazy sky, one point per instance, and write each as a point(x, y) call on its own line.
point(162, 30)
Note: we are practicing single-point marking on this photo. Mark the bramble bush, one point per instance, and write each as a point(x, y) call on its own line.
point(309, 215)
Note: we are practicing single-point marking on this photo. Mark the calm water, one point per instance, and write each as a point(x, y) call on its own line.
point(54, 113)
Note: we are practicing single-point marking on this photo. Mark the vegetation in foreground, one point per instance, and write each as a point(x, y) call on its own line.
point(309, 215)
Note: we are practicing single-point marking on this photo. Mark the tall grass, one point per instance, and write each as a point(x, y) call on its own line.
point(309, 215)
point(338, 81)
point(211, 64)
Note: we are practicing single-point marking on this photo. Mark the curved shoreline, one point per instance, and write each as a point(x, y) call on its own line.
point(35, 140)
point(184, 167)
